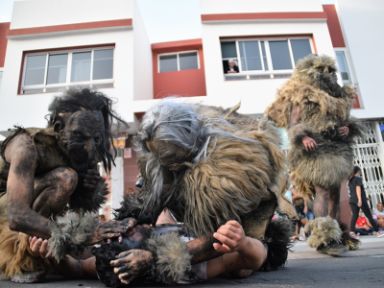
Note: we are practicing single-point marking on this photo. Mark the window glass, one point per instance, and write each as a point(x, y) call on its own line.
point(228, 49)
point(103, 64)
point(281, 59)
point(300, 48)
point(250, 55)
point(168, 63)
point(57, 68)
point(188, 61)
point(34, 70)
point(343, 65)
point(81, 66)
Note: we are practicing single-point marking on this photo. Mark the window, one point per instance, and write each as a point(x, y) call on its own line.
point(178, 61)
point(342, 63)
point(53, 71)
point(263, 58)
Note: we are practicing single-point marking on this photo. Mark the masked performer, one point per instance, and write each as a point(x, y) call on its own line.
point(316, 112)
point(207, 166)
point(46, 172)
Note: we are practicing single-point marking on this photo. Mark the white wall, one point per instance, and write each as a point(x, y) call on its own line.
point(363, 23)
point(258, 6)
point(29, 110)
point(254, 95)
point(35, 13)
point(143, 69)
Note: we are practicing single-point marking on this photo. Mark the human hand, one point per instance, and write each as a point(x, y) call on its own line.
point(91, 179)
point(309, 143)
point(359, 203)
point(39, 247)
point(112, 229)
point(343, 131)
point(132, 263)
point(230, 235)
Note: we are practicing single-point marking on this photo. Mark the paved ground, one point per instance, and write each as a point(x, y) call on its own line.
point(305, 268)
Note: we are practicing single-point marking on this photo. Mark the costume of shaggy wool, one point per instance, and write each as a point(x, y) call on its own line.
point(312, 104)
point(208, 165)
point(321, 114)
point(71, 231)
point(171, 264)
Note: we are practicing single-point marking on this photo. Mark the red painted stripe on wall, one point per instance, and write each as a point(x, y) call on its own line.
point(177, 44)
point(334, 26)
point(263, 16)
point(4, 29)
point(71, 27)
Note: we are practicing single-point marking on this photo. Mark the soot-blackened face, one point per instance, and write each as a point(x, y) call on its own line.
point(83, 139)
point(327, 79)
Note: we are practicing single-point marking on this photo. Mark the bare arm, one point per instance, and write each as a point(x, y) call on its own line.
point(294, 124)
point(243, 252)
point(22, 156)
point(358, 194)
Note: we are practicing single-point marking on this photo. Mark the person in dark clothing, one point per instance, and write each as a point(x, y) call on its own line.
point(358, 199)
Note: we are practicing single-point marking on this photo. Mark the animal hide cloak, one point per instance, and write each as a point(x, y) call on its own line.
point(232, 169)
point(321, 114)
point(16, 257)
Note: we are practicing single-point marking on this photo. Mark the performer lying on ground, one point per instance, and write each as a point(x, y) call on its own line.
point(208, 166)
point(44, 172)
point(239, 252)
point(316, 112)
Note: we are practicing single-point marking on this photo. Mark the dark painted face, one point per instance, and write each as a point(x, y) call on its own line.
point(326, 78)
point(82, 138)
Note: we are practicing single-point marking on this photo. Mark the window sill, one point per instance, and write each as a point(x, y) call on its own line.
point(61, 88)
point(240, 76)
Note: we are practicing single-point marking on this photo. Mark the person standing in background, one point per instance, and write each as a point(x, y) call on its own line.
point(358, 200)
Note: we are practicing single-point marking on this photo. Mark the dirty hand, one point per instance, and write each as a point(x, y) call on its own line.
point(91, 179)
point(230, 235)
point(39, 247)
point(343, 131)
point(309, 143)
point(112, 229)
point(132, 263)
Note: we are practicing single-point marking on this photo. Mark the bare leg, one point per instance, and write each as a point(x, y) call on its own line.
point(334, 204)
point(345, 215)
point(320, 204)
point(53, 191)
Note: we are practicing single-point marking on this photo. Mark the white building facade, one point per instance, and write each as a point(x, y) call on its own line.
point(53, 45)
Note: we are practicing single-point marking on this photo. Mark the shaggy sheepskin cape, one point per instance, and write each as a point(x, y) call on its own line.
point(231, 167)
point(321, 114)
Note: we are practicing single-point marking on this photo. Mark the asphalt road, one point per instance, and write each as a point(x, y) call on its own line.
point(305, 268)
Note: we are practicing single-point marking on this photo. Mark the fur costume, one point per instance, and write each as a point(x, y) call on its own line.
point(312, 104)
point(322, 112)
point(208, 165)
point(55, 149)
point(323, 230)
point(172, 261)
